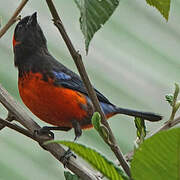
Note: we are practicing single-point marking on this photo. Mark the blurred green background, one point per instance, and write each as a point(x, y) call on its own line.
point(133, 60)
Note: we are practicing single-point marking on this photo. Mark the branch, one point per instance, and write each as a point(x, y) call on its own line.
point(167, 126)
point(80, 66)
point(17, 128)
point(14, 18)
point(9, 119)
point(23, 118)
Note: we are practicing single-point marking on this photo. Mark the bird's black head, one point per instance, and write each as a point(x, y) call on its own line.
point(28, 36)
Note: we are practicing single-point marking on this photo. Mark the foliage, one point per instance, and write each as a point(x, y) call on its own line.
point(101, 129)
point(90, 24)
point(174, 103)
point(141, 129)
point(162, 5)
point(96, 159)
point(158, 157)
point(95, 13)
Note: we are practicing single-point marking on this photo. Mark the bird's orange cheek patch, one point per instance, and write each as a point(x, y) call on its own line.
point(15, 42)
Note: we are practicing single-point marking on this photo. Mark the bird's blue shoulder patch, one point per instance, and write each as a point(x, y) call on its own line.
point(107, 108)
point(61, 75)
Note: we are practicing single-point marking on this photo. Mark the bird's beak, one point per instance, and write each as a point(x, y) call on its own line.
point(32, 20)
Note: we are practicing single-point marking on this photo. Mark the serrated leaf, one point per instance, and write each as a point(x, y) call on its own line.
point(158, 158)
point(70, 176)
point(97, 160)
point(94, 13)
point(163, 6)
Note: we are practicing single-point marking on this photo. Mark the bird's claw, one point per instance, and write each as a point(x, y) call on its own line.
point(65, 158)
point(44, 131)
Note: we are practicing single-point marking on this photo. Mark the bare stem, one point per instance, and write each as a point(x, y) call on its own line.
point(167, 126)
point(14, 18)
point(80, 66)
point(9, 119)
point(17, 128)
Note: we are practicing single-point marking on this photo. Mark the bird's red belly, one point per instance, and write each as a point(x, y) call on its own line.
point(52, 104)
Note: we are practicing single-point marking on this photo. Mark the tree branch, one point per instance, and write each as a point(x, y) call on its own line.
point(55, 149)
point(9, 119)
point(17, 128)
point(167, 126)
point(14, 18)
point(80, 66)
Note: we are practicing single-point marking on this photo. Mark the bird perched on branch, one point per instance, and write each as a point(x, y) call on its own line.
point(50, 90)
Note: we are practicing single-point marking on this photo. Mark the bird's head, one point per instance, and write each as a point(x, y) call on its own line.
point(28, 36)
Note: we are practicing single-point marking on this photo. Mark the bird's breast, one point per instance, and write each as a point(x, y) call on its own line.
point(54, 104)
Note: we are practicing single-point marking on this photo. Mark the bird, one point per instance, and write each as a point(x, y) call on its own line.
point(53, 92)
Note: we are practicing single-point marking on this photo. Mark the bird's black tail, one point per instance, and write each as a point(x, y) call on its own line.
point(145, 115)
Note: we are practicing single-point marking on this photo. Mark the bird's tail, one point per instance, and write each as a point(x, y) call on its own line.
point(145, 115)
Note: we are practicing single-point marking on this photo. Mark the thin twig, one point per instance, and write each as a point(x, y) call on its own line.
point(167, 126)
point(17, 128)
point(14, 18)
point(9, 118)
point(80, 66)
point(55, 149)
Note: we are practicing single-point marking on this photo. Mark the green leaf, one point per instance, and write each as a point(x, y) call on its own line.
point(70, 176)
point(169, 99)
point(172, 98)
point(141, 128)
point(163, 6)
point(102, 130)
point(97, 160)
point(96, 120)
point(158, 157)
point(94, 13)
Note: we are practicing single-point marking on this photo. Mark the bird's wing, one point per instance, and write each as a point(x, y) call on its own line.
point(68, 79)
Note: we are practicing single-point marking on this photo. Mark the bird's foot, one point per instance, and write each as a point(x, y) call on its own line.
point(65, 158)
point(44, 131)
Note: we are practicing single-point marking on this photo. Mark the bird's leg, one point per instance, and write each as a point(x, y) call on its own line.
point(77, 129)
point(47, 130)
point(68, 153)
